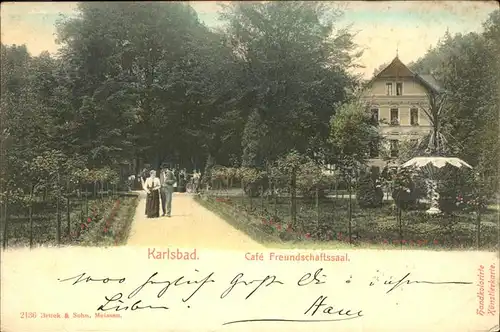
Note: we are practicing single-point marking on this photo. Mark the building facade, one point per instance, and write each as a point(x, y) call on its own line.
point(396, 97)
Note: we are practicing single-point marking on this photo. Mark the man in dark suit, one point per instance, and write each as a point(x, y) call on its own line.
point(167, 181)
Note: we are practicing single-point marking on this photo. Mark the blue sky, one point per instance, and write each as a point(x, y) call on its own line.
point(381, 26)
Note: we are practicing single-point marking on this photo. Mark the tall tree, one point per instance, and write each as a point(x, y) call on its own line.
point(295, 68)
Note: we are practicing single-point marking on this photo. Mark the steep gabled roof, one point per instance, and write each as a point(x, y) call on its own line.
point(395, 69)
point(398, 69)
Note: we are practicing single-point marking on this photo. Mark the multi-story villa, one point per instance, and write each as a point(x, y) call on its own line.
point(395, 97)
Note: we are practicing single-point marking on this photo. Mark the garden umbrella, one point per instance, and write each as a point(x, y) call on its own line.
point(429, 165)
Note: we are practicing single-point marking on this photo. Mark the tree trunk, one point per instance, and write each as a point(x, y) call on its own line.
point(350, 210)
point(478, 230)
point(86, 204)
point(317, 206)
point(68, 215)
point(58, 209)
point(261, 198)
point(251, 197)
point(275, 194)
point(82, 203)
point(293, 197)
point(68, 211)
point(30, 216)
point(6, 222)
point(58, 220)
point(400, 222)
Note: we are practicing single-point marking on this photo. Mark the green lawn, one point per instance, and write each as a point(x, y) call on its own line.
point(326, 227)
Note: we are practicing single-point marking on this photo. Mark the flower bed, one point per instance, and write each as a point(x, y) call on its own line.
point(108, 223)
point(369, 226)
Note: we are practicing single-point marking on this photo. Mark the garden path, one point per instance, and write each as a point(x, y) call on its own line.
point(191, 226)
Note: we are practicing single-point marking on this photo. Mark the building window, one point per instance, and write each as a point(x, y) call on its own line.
point(399, 89)
point(388, 88)
point(394, 117)
point(394, 148)
point(414, 116)
point(375, 118)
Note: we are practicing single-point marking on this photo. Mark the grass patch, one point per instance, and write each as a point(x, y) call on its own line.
point(375, 228)
point(81, 231)
point(113, 226)
point(239, 220)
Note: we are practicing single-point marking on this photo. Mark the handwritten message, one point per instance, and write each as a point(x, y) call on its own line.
point(123, 290)
point(320, 310)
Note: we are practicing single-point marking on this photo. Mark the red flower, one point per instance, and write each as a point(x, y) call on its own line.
point(83, 226)
point(435, 241)
point(308, 235)
point(385, 241)
point(105, 229)
point(89, 219)
point(404, 241)
point(278, 227)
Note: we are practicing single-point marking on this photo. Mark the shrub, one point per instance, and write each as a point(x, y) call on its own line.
point(452, 184)
point(255, 181)
point(369, 192)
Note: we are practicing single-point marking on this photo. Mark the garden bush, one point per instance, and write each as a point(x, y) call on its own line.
point(369, 192)
point(453, 184)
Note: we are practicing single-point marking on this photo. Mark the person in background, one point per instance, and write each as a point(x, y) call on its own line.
point(130, 182)
point(196, 179)
point(182, 181)
point(167, 181)
point(176, 177)
point(152, 187)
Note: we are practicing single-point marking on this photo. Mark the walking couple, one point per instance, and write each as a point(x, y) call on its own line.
point(156, 187)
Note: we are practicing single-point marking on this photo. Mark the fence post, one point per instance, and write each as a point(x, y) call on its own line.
point(261, 198)
point(68, 203)
point(350, 209)
point(82, 203)
point(6, 221)
point(478, 230)
point(86, 204)
point(293, 194)
point(251, 198)
point(275, 194)
point(317, 205)
point(30, 215)
point(58, 212)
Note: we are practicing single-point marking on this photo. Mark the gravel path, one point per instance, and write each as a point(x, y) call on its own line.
point(191, 226)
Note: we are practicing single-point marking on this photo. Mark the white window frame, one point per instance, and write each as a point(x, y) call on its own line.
point(387, 84)
point(402, 88)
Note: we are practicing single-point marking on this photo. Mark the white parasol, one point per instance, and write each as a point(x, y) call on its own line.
point(438, 162)
point(428, 164)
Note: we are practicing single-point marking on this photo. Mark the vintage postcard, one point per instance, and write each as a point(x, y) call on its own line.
point(250, 166)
